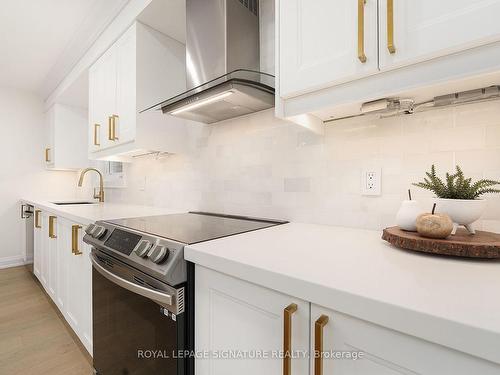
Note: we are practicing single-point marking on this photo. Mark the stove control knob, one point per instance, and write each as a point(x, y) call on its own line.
point(90, 228)
point(159, 254)
point(99, 232)
point(143, 248)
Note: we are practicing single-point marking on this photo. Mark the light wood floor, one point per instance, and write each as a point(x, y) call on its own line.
point(34, 338)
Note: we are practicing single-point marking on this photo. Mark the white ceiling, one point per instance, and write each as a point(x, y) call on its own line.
point(37, 36)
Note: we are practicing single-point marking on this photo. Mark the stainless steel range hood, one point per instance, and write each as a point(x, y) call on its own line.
point(222, 63)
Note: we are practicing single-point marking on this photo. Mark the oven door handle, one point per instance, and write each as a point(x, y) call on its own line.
point(138, 289)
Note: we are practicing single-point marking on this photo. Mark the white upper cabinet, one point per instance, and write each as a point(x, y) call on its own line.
point(415, 49)
point(66, 137)
point(126, 78)
point(324, 42)
point(102, 101)
point(420, 30)
point(142, 68)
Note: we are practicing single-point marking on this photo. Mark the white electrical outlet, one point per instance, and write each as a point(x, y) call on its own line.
point(371, 181)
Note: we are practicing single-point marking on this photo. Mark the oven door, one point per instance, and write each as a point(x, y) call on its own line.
point(133, 330)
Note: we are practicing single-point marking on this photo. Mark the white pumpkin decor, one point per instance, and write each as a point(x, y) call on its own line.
point(406, 217)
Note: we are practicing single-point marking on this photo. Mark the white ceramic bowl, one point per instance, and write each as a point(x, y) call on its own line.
point(461, 211)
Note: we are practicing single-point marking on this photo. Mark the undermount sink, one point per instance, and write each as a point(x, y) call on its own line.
point(72, 203)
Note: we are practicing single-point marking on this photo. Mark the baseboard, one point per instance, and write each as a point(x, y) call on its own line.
point(15, 261)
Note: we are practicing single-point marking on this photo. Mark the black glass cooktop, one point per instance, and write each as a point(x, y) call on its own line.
point(194, 227)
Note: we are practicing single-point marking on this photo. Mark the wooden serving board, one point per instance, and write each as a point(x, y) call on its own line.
point(462, 244)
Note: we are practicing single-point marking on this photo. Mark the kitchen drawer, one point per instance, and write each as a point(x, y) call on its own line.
point(388, 352)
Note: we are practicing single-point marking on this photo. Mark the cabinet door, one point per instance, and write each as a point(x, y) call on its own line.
point(63, 255)
point(44, 250)
point(97, 120)
point(425, 29)
point(49, 151)
point(37, 244)
point(383, 351)
point(234, 315)
point(52, 257)
point(106, 96)
point(325, 42)
point(102, 91)
point(126, 108)
point(79, 285)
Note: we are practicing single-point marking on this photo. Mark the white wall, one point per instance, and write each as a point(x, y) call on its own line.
point(266, 167)
point(22, 171)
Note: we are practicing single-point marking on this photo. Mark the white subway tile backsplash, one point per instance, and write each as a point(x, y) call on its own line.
point(261, 166)
point(481, 114)
point(493, 136)
point(458, 138)
point(293, 185)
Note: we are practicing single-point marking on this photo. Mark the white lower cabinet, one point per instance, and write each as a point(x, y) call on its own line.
point(383, 351)
point(52, 255)
point(232, 315)
point(78, 310)
point(37, 244)
point(61, 263)
point(44, 250)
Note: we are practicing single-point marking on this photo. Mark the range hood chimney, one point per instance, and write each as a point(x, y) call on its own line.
point(222, 63)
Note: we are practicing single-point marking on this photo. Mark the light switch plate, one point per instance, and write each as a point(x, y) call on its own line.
point(371, 181)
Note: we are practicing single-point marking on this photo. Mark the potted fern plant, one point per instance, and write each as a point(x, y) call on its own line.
point(459, 197)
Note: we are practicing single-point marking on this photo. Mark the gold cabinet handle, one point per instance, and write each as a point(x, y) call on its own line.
point(390, 27)
point(47, 155)
point(97, 142)
point(37, 218)
point(110, 128)
point(318, 344)
point(74, 239)
point(361, 31)
point(287, 338)
point(114, 117)
point(51, 227)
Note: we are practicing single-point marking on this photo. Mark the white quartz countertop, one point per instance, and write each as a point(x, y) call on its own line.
point(449, 301)
point(89, 213)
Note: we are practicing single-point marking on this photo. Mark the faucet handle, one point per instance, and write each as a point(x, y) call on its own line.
point(99, 194)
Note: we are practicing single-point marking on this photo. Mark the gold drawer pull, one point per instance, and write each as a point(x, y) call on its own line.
point(97, 127)
point(37, 219)
point(114, 117)
point(361, 31)
point(390, 27)
point(110, 128)
point(47, 155)
point(318, 344)
point(74, 239)
point(51, 226)
point(287, 338)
